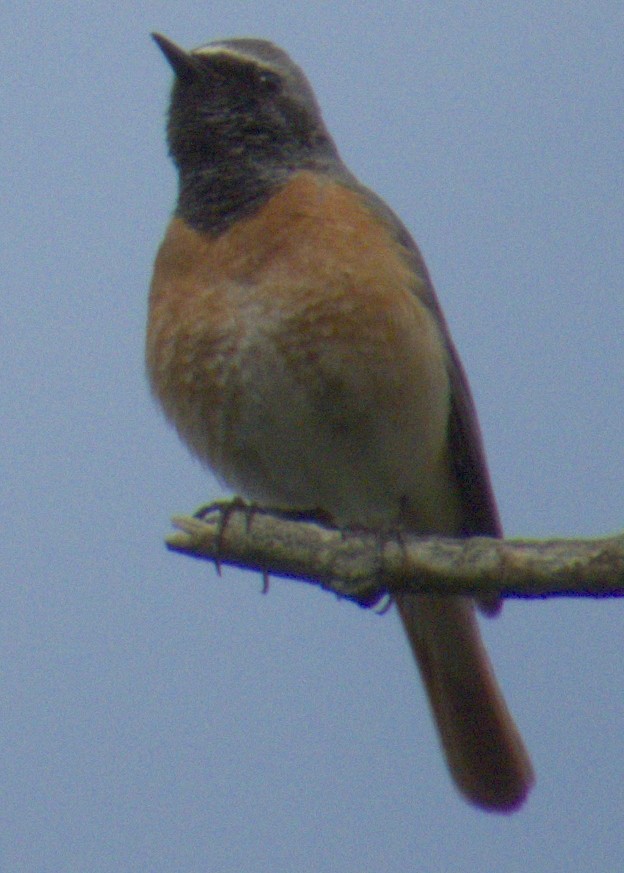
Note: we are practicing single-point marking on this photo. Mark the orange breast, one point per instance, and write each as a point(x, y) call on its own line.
point(310, 304)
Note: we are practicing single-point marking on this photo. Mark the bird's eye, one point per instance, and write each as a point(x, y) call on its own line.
point(270, 81)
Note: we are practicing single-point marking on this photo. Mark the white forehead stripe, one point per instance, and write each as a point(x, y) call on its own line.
point(226, 50)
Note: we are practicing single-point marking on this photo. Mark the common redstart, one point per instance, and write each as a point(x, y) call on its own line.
point(296, 343)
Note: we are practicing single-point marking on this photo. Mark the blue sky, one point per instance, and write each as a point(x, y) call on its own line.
point(158, 718)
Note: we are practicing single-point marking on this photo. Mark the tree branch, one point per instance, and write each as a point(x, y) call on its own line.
point(363, 565)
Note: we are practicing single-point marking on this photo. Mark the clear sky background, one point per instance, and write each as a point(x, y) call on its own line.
point(154, 717)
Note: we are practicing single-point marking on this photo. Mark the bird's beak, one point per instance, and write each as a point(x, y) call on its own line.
point(183, 63)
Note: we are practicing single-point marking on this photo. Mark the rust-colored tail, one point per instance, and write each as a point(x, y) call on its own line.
point(483, 746)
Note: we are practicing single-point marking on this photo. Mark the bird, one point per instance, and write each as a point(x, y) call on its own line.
point(296, 343)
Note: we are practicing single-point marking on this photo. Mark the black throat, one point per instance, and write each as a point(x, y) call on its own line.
point(233, 184)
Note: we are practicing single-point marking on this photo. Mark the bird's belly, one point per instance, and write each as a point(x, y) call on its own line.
point(311, 374)
point(311, 420)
